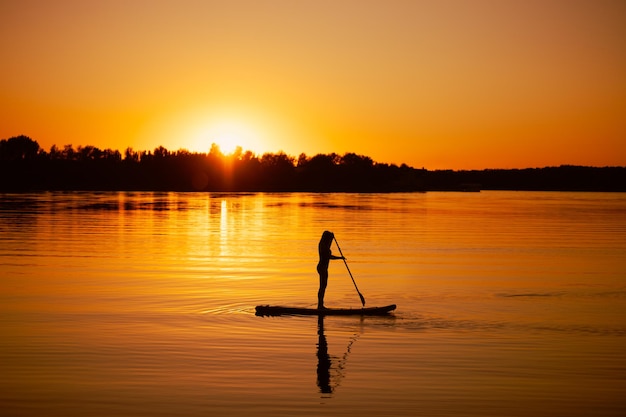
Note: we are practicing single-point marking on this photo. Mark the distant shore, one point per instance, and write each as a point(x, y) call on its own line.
point(24, 166)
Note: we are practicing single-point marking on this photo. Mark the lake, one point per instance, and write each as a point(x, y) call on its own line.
point(142, 304)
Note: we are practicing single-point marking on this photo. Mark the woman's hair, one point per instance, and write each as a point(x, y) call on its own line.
point(327, 237)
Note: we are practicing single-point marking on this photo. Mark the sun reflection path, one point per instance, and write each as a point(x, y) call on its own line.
point(223, 226)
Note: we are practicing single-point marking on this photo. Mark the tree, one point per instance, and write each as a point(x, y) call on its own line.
point(18, 148)
point(68, 153)
point(55, 152)
point(161, 152)
point(130, 155)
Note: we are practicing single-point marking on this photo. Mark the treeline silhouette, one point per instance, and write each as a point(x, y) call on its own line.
point(25, 166)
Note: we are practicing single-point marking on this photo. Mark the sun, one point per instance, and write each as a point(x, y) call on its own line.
point(227, 133)
point(197, 129)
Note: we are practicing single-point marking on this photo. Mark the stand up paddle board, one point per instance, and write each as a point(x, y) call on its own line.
point(267, 310)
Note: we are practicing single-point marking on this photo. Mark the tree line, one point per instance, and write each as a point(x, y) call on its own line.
point(25, 166)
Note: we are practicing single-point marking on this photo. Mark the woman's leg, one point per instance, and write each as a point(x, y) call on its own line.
point(322, 290)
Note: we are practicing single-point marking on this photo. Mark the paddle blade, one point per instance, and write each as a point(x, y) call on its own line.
point(362, 299)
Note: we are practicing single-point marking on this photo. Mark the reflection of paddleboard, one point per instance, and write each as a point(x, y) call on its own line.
point(267, 310)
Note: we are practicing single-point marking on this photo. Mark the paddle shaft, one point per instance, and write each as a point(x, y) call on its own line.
point(353, 281)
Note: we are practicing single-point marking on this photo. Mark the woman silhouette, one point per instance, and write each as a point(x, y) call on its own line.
point(322, 266)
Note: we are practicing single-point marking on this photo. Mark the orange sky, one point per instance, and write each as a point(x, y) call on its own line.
point(435, 84)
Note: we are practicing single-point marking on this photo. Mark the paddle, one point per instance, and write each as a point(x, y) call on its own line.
point(354, 282)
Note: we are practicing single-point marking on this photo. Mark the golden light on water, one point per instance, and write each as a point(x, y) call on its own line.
point(143, 303)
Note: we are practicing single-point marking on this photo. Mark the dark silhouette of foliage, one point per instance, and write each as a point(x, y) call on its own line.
point(25, 166)
point(18, 148)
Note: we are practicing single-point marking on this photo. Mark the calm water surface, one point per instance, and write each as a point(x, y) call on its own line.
point(142, 304)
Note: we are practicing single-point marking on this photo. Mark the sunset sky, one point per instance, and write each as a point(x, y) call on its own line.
point(437, 84)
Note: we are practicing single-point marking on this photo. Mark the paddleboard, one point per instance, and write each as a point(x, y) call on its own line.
point(268, 310)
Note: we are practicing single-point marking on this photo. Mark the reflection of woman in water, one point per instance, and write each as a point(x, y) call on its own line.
point(323, 359)
point(322, 266)
point(325, 363)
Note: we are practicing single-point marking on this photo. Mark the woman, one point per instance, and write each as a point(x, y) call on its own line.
point(322, 266)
